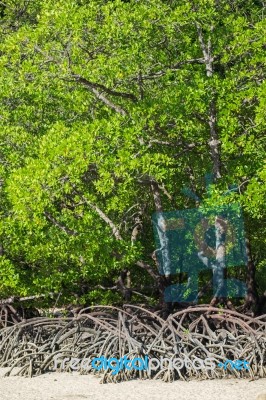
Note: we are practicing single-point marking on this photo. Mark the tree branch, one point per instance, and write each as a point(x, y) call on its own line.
point(112, 92)
point(149, 269)
point(106, 219)
point(156, 196)
point(103, 216)
point(63, 228)
point(214, 142)
point(93, 87)
point(174, 67)
point(206, 50)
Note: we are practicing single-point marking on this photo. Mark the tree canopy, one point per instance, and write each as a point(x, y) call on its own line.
point(108, 110)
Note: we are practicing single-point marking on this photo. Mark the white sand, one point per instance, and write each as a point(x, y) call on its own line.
point(72, 386)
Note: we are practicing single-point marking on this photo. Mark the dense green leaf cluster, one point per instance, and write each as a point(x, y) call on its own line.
point(99, 99)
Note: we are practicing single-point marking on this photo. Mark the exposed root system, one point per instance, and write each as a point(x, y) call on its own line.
point(194, 333)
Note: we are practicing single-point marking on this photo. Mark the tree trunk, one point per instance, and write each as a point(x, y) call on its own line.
point(252, 295)
point(164, 280)
point(218, 267)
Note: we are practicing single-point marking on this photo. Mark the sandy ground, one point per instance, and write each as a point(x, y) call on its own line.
point(72, 386)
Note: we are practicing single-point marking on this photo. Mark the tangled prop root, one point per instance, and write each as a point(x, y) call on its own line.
point(194, 333)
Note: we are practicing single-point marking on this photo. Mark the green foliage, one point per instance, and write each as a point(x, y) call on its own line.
point(98, 98)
